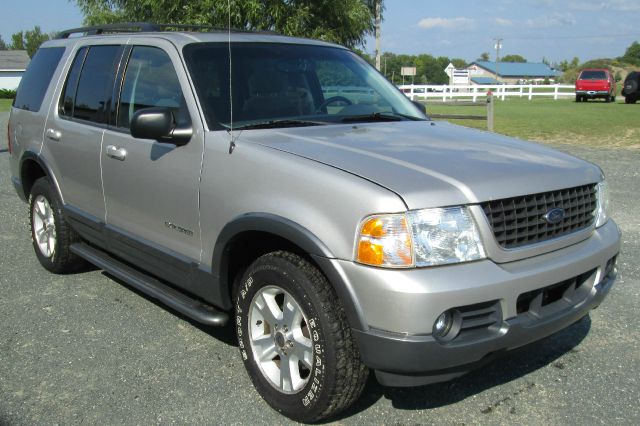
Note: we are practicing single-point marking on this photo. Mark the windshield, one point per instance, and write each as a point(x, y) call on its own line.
point(593, 75)
point(277, 85)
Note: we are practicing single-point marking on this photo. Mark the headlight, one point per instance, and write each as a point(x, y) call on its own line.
point(602, 195)
point(445, 236)
point(419, 238)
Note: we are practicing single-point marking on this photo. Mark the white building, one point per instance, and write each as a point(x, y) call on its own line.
point(13, 63)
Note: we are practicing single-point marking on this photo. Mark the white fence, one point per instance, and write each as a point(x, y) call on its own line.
point(501, 91)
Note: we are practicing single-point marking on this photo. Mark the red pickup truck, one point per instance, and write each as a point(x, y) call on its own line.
point(595, 83)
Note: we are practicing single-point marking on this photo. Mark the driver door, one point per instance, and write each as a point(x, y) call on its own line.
point(151, 188)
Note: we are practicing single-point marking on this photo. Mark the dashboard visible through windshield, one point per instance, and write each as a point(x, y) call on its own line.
point(289, 85)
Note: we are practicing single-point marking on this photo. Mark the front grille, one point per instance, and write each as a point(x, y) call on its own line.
point(519, 221)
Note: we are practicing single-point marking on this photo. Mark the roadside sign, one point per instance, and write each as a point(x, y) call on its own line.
point(449, 69)
point(408, 71)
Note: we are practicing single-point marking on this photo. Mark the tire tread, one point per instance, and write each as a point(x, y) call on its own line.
point(351, 373)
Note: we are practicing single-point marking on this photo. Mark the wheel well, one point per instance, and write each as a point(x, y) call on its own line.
point(30, 172)
point(247, 247)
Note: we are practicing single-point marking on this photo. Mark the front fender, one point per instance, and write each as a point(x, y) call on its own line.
point(301, 237)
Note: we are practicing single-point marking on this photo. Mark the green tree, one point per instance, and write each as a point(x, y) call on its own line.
point(632, 54)
point(29, 40)
point(575, 62)
point(459, 63)
point(342, 21)
point(513, 58)
point(484, 56)
point(3, 45)
point(17, 41)
point(33, 39)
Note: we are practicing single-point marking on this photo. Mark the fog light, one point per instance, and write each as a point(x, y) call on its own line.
point(443, 324)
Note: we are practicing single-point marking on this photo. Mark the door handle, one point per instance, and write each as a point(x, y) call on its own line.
point(53, 134)
point(116, 152)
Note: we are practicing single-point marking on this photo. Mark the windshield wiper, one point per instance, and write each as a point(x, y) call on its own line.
point(272, 124)
point(375, 116)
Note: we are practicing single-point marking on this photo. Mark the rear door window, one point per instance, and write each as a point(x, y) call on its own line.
point(93, 95)
point(36, 79)
point(90, 98)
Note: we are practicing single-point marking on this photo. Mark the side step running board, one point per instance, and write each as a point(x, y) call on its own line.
point(152, 287)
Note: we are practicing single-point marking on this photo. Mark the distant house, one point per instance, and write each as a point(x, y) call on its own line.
point(13, 64)
point(511, 72)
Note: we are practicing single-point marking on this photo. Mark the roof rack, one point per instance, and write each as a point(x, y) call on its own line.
point(129, 27)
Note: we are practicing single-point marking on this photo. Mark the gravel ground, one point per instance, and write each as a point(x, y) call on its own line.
point(84, 348)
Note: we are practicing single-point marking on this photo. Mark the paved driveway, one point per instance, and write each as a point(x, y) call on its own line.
point(85, 348)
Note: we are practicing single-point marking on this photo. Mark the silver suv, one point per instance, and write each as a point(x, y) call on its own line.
point(285, 184)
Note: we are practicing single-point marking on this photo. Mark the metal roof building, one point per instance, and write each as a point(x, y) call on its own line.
point(513, 72)
point(13, 63)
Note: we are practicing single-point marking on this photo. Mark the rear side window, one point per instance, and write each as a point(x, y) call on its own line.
point(36, 79)
point(90, 98)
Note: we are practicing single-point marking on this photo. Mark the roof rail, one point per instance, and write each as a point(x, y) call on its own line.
point(129, 27)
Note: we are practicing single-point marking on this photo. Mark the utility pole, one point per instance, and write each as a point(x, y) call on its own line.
point(498, 46)
point(378, 35)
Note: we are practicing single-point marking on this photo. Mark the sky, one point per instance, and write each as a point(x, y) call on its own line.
point(553, 29)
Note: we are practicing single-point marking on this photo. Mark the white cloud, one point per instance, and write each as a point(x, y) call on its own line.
point(449, 23)
point(503, 22)
point(596, 5)
point(553, 20)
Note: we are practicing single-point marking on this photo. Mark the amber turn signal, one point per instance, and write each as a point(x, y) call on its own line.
point(385, 240)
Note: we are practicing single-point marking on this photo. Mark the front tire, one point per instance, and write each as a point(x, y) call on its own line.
point(51, 235)
point(294, 339)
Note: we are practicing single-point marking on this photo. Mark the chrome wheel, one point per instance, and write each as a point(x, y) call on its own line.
point(280, 340)
point(44, 227)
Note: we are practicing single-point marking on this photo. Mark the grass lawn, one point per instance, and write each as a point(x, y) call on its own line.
point(5, 104)
point(594, 123)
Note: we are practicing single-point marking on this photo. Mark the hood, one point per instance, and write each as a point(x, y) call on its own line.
point(433, 164)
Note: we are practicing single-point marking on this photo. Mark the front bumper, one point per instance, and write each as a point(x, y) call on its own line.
point(401, 306)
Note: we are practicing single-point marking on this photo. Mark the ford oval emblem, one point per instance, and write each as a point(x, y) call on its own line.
point(554, 216)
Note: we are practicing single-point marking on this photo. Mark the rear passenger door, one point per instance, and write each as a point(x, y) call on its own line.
point(74, 130)
point(151, 188)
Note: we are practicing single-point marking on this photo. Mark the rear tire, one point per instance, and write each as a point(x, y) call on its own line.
point(294, 339)
point(51, 235)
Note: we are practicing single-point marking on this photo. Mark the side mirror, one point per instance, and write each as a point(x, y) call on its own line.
point(158, 123)
point(420, 106)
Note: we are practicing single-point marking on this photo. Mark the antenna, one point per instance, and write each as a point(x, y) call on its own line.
point(232, 143)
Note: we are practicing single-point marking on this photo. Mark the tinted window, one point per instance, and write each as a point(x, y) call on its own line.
point(593, 75)
point(70, 87)
point(286, 82)
point(150, 81)
point(93, 95)
point(36, 79)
